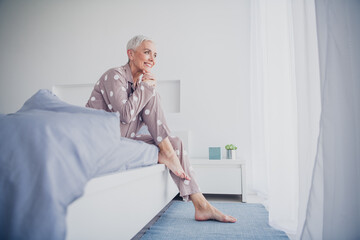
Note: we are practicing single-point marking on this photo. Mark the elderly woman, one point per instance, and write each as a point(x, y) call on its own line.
point(130, 90)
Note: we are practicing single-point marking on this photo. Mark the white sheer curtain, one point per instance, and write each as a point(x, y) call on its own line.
point(288, 99)
point(333, 210)
point(274, 111)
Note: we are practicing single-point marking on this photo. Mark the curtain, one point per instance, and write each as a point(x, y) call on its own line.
point(305, 137)
point(279, 108)
point(308, 97)
point(333, 210)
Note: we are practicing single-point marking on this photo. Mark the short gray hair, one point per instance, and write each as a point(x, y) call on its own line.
point(136, 41)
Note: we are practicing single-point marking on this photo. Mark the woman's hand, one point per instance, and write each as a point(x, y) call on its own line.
point(149, 79)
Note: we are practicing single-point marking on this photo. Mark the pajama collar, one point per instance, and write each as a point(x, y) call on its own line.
point(128, 74)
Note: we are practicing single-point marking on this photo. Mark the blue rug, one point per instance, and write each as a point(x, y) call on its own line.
point(178, 223)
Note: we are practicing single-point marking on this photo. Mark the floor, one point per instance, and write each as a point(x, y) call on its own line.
point(232, 198)
point(212, 198)
point(236, 198)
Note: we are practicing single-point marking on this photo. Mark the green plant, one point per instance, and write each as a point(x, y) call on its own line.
point(230, 147)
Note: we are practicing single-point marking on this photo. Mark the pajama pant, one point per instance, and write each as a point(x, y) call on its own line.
point(152, 115)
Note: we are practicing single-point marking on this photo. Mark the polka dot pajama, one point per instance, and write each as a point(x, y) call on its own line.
point(115, 92)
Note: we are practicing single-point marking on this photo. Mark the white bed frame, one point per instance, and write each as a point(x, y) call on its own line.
point(115, 206)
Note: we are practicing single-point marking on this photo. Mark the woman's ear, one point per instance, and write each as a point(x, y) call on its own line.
point(130, 54)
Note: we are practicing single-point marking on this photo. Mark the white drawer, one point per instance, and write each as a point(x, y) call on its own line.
point(219, 179)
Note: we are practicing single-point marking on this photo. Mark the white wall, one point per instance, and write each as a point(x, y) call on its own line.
point(203, 43)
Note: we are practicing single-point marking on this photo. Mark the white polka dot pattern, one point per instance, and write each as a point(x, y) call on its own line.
point(134, 119)
point(132, 111)
point(135, 98)
point(102, 92)
point(159, 122)
point(159, 139)
point(98, 82)
point(124, 89)
point(147, 111)
point(177, 152)
point(132, 134)
point(116, 77)
point(142, 88)
point(109, 106)
point(111, 93)
point(105, 77)
point(93, 98)
point(124, 101)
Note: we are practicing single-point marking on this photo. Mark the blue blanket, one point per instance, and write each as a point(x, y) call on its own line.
point(49, 150)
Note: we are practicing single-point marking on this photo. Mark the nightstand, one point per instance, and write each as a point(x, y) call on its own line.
point(220, 176)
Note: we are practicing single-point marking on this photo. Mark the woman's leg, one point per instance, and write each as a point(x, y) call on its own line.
point(190, 190)
point(153, 116)
point(189, 186)
point(205, 211)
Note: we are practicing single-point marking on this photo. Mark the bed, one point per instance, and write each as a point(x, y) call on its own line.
point(86, 186)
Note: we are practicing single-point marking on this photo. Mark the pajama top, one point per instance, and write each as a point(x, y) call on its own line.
point(115, 92)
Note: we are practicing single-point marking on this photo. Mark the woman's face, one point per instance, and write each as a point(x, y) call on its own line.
point(144, 56)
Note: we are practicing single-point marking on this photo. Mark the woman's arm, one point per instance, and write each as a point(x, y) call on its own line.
point(116, 92)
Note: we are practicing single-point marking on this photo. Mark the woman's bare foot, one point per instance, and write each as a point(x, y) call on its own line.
point(168, 157)
point(205, 211)
point(211, 213)
point(173, 163)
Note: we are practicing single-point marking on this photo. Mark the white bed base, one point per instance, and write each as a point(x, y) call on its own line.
point(116, 206)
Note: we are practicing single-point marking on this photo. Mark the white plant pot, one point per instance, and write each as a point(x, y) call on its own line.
point(231, 154)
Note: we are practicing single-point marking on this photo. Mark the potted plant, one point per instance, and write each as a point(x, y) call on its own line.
point(230, 151)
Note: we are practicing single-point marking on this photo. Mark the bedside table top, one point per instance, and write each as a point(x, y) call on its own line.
point(216, 162)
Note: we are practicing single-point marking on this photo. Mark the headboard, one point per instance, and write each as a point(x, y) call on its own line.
point(79, 94)
point(76, 94)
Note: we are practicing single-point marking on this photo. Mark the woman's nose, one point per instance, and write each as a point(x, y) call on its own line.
point(152, 58)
